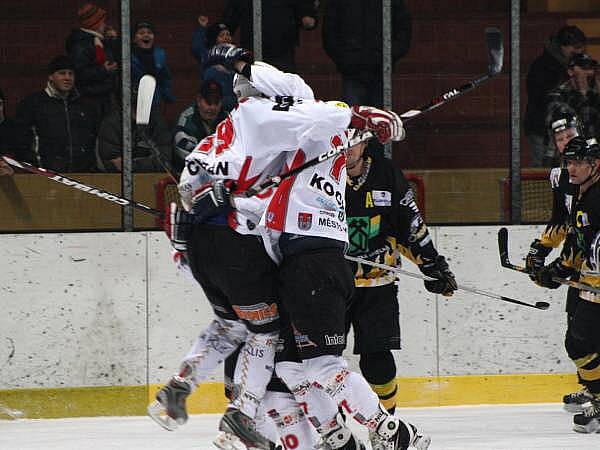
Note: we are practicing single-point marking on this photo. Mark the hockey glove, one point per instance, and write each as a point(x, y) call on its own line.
point(444, 282)
point(211, 199)
point(536, 258)
point(227, 55)
point(553, 270)
point(385, 124)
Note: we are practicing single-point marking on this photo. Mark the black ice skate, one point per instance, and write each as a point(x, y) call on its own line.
point(169, 408)
point(589, 420)
point(574, 402)
point(394, 434)
point(238, 432)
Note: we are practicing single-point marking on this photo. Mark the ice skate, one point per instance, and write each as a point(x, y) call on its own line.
point(574, 402)
point(238, 432)
point(393, 434)
point(589, 420)
point(168, 410)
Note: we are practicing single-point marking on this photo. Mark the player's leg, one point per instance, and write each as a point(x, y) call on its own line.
point(247, 276)
point(584, 349)
point(315, 290)
point(376, 323)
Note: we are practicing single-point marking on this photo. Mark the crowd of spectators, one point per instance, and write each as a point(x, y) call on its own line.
point(74, 122)
point(561, 80)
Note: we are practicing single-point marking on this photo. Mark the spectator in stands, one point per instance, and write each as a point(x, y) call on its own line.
point(198, 121)
point(110, 142)
point(93, 49)
point(53, 127)
point(581, 92)
point(147, 58)
point(356, 45)
point(281, 22)
point(6, 136)
point(547, 72)
point(207, 36)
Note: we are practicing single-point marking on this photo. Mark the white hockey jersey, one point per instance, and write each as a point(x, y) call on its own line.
point(254, 141)
point(313, 202)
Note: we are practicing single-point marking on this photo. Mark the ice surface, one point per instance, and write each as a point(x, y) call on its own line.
point(510, 427)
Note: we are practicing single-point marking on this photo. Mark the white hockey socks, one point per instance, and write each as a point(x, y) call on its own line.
point(215, 344)
point(253, 371)
point(281, 419)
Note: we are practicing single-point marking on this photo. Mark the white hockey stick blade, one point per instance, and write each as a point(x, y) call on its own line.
point(145, 94)
point(493, 40)
point(157, 412)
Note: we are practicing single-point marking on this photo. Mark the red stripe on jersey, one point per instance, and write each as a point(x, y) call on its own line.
point(277, 209)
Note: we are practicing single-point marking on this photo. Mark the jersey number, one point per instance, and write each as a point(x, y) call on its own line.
point(283, 103)
point(224, 136)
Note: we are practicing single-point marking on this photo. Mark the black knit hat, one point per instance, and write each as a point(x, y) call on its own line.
point(212, 32)
point(211, 92)
point(571, 35)
point(143, 24)
point(60, 62)
point(583, 60)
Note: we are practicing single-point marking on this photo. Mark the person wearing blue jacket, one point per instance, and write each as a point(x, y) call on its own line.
point(150, 59)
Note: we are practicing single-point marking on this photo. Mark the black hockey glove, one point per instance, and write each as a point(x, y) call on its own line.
point(444, 282)
point(536, 258)
point(227, 55)
point(181, 227)
point(553, 270)
point(211, 200)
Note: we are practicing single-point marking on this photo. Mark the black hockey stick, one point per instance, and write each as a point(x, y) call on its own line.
point(537, 305)
point(505, 262)
point(493, 39)
point(495, 48)
point(92, 190)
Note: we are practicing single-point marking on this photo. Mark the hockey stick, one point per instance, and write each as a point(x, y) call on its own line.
point(12, 192)
point(145, 94)
point(537, 305)
point(505, 262)
point(495, 48)
point(92, 190)
point(493, 39)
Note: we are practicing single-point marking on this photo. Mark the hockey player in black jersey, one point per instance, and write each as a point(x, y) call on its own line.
point(384, 221)
point(580, 254)
point(564, 127)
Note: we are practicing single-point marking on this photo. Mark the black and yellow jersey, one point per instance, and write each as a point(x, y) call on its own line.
point(384, 222)
point(563, 195)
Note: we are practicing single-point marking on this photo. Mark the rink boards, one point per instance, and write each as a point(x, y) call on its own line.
point(93, 322)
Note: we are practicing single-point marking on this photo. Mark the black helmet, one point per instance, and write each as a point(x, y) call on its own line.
point(580, 148)
point(563, 122)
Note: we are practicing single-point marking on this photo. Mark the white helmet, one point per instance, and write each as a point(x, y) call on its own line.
point(355, 136)
point(243, 88)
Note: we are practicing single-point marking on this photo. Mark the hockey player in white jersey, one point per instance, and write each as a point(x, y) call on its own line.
point(306, 218)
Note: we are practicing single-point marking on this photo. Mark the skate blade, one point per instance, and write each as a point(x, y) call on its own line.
point(228, 441)
point(157, 412)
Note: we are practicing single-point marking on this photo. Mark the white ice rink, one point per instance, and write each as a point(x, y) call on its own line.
point(514, 427)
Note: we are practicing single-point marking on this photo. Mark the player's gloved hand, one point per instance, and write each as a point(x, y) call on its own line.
point(444, 282)
point(211, 199)
point(227, 55)
point(553, 270)
point(385, 125)
point(536, 258)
